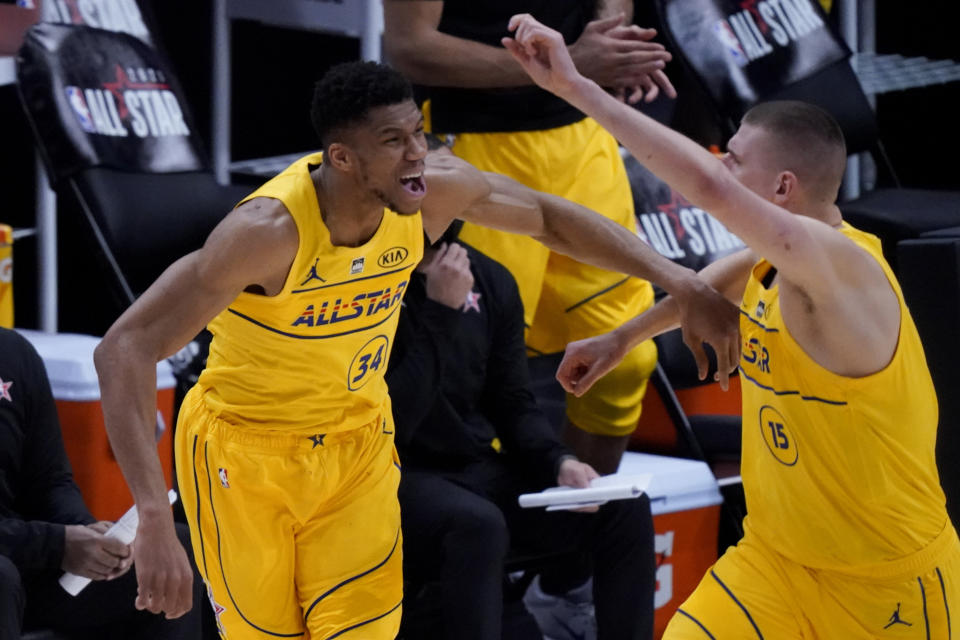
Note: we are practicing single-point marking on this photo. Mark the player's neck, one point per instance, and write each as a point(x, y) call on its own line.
point(826, 213)
point(351, 216)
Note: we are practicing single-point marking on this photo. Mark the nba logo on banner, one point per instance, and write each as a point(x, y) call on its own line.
point(79, 106)
point(729, 41)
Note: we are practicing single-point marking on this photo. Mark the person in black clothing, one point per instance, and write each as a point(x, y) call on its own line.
point(46, 529)
point(471, 439)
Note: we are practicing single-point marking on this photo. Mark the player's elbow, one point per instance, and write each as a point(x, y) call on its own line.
point(109, 352)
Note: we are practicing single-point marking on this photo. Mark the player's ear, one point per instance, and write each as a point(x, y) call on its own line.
point(786, 187)
point(339, 156)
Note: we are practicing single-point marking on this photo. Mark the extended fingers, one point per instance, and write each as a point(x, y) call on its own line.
point(605, 25)
point(632, 32)
point(661, 79)
point(696, 347)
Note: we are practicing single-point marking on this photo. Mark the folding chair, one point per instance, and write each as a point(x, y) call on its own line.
point(115, 133)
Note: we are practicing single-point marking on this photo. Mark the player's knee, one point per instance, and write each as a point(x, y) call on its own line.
point(11, 588)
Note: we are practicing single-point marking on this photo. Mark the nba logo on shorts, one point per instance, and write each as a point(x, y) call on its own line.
point(79, 105)
point(357, 266)
point(224, 481)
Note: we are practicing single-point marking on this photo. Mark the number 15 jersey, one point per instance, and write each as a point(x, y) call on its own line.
point(839, 472)
point(312, 358)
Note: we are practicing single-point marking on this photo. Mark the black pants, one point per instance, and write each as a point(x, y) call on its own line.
point(458, 527)
point(104, 609)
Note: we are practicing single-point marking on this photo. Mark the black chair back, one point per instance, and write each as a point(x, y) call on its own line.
point(114, 130)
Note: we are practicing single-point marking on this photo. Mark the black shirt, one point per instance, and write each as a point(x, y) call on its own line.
point(458, 379)
point(529, 108)
point(37, 492)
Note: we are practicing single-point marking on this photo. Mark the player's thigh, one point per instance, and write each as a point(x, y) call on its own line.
point(349, 555)
point(744, 596)
point(241, 533)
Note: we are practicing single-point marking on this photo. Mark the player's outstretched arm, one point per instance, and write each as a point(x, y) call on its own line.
point(586, 361)
point(807, 252)
point(249, 247)
point(457, 189)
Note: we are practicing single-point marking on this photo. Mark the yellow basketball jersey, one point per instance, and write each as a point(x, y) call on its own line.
point(839, 472)
point(312, 358)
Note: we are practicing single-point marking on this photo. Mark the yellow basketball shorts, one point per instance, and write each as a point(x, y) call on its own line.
point(753, 592)
point(564, 299)
point(294, 536)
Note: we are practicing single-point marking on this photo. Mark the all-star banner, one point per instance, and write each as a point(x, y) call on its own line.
point(100, 98)
point(676, 229)
point(744, 50)
point(123, 16)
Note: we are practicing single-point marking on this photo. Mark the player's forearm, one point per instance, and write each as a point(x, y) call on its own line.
point(128, 389)
point(701, 178)
point(662, 317)
point(586, 236)
point(438, 59)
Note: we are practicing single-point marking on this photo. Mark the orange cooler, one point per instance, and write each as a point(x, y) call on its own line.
point(685, 502)
point(69, 362)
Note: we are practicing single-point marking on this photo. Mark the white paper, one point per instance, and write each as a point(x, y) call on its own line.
point(601, 490)
point(124, 530)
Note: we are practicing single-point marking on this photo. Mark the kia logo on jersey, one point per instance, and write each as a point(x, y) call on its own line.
point(393, 257)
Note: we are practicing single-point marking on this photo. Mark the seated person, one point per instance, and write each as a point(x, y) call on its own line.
point(46, 529)
point(471, 439)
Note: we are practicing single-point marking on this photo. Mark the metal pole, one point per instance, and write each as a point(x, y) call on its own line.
point(46, 249)
point(849, 27)
point(372, 30)
point(221, 91)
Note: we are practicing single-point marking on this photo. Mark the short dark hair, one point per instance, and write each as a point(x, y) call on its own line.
point(348, 91)
point(808, 135)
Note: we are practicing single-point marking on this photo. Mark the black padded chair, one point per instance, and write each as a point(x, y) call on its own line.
point(930, 277)
point(115, 133)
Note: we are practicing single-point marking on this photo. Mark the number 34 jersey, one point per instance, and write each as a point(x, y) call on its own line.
point(313, 357)
point(839, 472)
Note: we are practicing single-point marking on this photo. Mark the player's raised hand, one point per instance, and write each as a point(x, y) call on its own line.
point(164, 575)
point(707, 316)
point(586, 361)
point(542, 53)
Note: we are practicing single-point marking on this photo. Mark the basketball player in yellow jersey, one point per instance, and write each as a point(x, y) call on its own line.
point(285, 455)
point(847, 535)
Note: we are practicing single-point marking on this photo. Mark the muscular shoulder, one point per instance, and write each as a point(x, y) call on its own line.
point(453, 185)
point(259, 238)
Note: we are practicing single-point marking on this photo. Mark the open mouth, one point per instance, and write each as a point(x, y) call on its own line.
point(414, 184)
